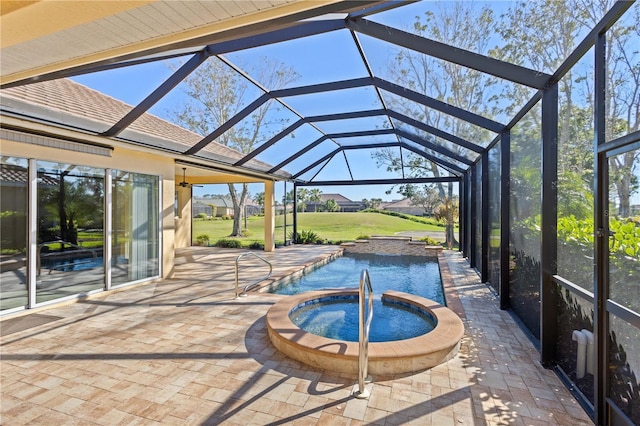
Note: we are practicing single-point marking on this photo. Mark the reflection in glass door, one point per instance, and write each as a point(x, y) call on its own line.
point(624, 283)
point(135, 227)
point(70, 230)
point(13, 232)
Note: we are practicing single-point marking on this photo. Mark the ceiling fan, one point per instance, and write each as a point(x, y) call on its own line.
point(184, 182)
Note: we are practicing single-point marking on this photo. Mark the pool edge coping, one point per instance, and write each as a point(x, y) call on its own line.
point(396, 357)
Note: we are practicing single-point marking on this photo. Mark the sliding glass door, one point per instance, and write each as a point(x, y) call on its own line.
point(135, 236)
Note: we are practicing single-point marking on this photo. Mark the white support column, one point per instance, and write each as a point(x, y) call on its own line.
point(269, 216)
point(32, 236)
point(108, 227)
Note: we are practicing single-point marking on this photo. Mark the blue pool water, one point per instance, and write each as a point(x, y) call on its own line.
point(409, 274)
point(77, 264)
point(337, 318)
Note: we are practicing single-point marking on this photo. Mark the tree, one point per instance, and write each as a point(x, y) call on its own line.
point(427, 197)
point(373, 203)
point(303, 197)
point(259, 199)
point(315, 196)
point(331, 205)
point(215, 94)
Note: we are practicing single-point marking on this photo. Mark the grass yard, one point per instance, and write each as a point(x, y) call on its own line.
point(329, 226)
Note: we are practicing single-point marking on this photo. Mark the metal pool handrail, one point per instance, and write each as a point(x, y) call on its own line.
point(365, 326)
point(244, 292)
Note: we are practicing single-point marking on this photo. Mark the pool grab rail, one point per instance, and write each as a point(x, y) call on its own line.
point(363, 333)
point(244, 292)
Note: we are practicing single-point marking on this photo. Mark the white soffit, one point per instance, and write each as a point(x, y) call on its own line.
point(44, 36)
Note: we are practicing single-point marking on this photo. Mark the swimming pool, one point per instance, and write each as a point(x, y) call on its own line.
point(419, 275)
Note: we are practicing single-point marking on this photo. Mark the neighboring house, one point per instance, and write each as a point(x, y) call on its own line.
point(224, 206)
point(346, 205)
point(403, 206)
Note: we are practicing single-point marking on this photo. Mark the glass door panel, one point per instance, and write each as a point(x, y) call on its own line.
point(135, 227)
point(70, 230)
point(14, 179)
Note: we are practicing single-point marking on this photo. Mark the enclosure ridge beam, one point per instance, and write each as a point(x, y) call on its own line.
point(381, 181)
point(347, 115)
point(322, 87)
point(371, 145)
point(173, 80)
point(228, 124)
point(465, 58)
point(362, 133)
point(444, 107)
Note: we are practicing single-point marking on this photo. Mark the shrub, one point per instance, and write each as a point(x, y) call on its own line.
point(256, 246)
point(201, 216)
point(425, 220)
point(363, 237)
point(430, 241)
point(226, 217)
point(202, 240)
point(306, 237)
point(228, 243)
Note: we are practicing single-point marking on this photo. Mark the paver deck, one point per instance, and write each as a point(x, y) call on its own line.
point(184, 351)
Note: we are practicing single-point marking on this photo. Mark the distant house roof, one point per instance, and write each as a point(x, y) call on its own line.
point(336, 197)
point(77, 105)
point(217, 201)
point(405, 202)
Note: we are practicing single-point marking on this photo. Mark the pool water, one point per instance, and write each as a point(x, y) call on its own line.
point(409, 274)
point(338, 319)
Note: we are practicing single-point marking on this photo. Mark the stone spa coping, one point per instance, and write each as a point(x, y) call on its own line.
point(385, 358)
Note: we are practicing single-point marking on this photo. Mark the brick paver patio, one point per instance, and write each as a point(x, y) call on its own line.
point(184, 351)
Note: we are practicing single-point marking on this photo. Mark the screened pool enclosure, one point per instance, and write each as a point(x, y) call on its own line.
point(525, 116)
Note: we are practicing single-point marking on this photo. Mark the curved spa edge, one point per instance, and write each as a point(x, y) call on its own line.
point(395, 357)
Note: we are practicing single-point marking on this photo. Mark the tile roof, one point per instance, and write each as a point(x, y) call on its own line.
point(335, 197)
point(18, 175)
point(69, 97)
point(405, 202)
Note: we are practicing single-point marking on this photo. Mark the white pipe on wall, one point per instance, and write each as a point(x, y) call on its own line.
point(591, 358)
point(581, 358)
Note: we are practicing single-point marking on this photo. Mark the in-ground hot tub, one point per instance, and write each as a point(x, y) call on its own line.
point(392, 357)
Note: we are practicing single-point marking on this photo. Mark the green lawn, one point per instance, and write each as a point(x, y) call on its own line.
point(329, 226)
